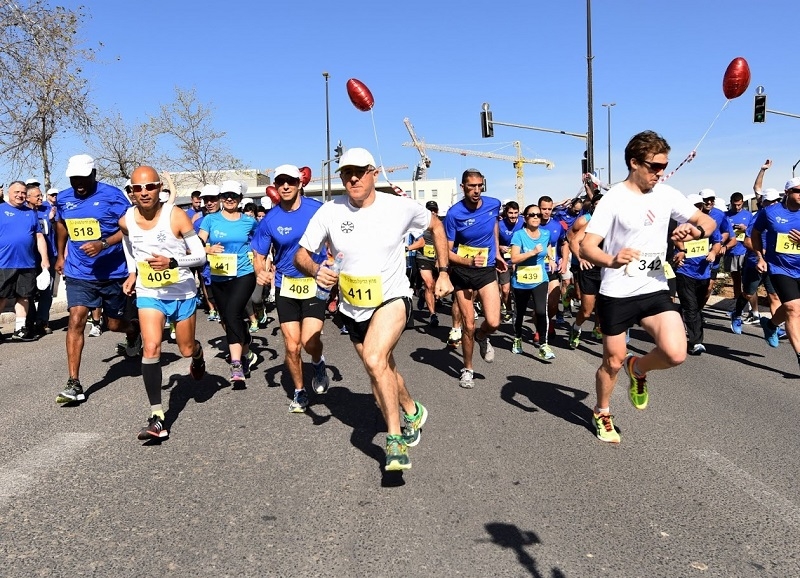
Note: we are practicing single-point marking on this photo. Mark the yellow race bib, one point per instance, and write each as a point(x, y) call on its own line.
point(470, 252)
point(156, 279)
point(298, 287)
point(429, 251)
point(786, 246)
point(740, 237)
point(530, 275)
point(668, 272)
point(551, 253)
point(361, 290)
point(698, 248)
point(83, 229)
point(223, 264)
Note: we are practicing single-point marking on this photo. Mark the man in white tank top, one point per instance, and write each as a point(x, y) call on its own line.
point(160, 247)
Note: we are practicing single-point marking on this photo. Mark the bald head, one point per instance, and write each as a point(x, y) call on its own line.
point(144, 174)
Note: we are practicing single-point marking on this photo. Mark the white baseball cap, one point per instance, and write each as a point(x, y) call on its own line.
point(356, 157)
point(792, 184)
point(231, 186)
point(708, 194)
point(80, 166)
point(52, 191)
point(771, 194)
point(209, 191)
point(695, 199)
point(32, 182)
point(289, 171)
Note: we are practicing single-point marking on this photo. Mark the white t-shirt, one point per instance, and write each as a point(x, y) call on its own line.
point(638, 221)
point(372, 241)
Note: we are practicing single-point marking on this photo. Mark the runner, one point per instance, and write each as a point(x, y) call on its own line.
point(587, 276)
point(368, 230)
point(300, 313)
point(509, 224)
point(723, 226)
point(529, 254)
point(632, 223)
point(735, 251)
point(210, 197)
point(161, 247)
point(558, 253)
point(227, 235)
point(426, 265)
point(91, 258)
point(472, 231)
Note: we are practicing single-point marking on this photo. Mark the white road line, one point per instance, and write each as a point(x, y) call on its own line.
point(751, 486)
point(19, 474)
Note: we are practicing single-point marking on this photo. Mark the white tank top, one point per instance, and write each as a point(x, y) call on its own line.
point(169, 284)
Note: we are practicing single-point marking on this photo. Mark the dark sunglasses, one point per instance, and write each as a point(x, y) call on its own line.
point(533, 216)
point(283, 179)
point(229, 196)
point(655, 167)
point(138, 188)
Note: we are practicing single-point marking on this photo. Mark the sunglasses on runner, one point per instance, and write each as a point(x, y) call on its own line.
point(655, 167)
point(533, 216)
point(138, 188)
point(284, 179)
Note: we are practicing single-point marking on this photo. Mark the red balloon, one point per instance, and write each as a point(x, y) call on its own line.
point(360, 95)
point(736, 79)
point(305, 175)
point(273, 195)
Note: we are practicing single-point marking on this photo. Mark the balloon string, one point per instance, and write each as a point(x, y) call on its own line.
point(397, 190)
point(690, 157)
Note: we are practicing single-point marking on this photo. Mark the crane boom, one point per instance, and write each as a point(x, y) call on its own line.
point(424, 161)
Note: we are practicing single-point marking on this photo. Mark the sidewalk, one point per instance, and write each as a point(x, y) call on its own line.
point(59, 304)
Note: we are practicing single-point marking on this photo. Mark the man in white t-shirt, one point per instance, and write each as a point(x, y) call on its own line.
point(632, 225)
point(366, 231)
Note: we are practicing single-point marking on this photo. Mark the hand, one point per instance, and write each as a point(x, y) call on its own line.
point(264, 278)
point(761, 266)
point(767, 164)
point(129, 285)
point(479, 261)
point(723, 249)
point(625, 256)
point(685, 232)
point(60, 265)
point(326, 277)
point(216, 248)
point(443, 286)
point(92, 248)
point(794, 236)
point(158, 262)
point(501, 265)
point(585, 265)
point(678, 260)
point(711, 257)
point(563, 267)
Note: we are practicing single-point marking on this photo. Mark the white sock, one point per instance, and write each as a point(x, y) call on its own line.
point(20, 323)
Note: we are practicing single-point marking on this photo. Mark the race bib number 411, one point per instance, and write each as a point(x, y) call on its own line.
point(361, 291)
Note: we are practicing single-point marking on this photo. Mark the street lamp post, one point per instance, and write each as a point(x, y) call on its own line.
point(608, 106)
point(590, 107)
point(327, 133)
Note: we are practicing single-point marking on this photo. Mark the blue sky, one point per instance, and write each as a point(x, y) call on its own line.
point(260, 64)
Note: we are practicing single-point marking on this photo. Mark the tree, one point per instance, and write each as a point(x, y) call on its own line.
point(42, 92)
point(200, 148)
point(119, 147)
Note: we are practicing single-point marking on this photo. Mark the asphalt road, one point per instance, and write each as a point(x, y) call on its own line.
point(508, 479)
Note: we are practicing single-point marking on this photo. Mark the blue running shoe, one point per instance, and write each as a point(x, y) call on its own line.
point(781, 333)
point(770, 332)
point(736, 325)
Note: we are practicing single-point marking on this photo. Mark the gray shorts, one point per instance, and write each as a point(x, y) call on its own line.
point(734, 262)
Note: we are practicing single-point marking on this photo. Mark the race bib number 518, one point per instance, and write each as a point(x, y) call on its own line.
point(83, 229)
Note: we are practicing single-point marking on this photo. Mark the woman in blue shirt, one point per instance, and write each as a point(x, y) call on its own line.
point(227, 234)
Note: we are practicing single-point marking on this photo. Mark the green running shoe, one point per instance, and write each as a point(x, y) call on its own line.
point(517, 345)
point(412, 424)
point(546, 353)
point(604, 424)
point(638, 389)
point(396, 454)
point(574, 337)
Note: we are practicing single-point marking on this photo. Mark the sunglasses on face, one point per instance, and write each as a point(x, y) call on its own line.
point(654, 167)
point(283, 179)
point(357, 172)
point(533, 216)
point(138, 188)
point(229, 197)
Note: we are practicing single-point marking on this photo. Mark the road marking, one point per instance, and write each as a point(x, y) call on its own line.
point(22, 472)
point(751, 486)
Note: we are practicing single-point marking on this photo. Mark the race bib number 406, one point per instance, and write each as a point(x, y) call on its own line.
point(83, 229)
point(649, 264)
point(153, 279)
point(361, 291)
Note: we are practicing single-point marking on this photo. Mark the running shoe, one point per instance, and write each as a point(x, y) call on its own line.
point(248, 362)
point(134, 349)
point(197, 369)
point(253, 326)
point(574, 336)
point(421, 301)
point(299, 402)
point(536, 339)
point(736, 325)
point(343, 330)
point(412, 425)
point(486, 349)
point(546, 353)
point(467, 380)
point(154, 429)
point(560, 318)
point(73, 392)
point(752, 319)
point(781, 333)
point(96, 330)
point(263, 320)
point(604, 424)
point(454, 338)
point(213, 315)
point(507, 317)
point(171, 330)
point(23, 334)
point(320, 382)
point(637, 392)
point(237, 372)
point(434, 320)
point(597, 333)
point(516, 347)
point(770, 332)
point(396, 454)
point(697, 349)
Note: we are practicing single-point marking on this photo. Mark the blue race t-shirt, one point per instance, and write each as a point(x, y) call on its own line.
point(234, 236)
point(743, 217)
point(92, 218)
point(779, 251)
point(18, 228)
point(506, 231)
point(698, 267)
point(525, 243)
point(750, 259)
point(282, 230)
point(474, 229)
point(558, 236)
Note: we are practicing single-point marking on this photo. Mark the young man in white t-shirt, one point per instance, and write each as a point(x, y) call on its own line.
point(368, 229)
point(632, 225)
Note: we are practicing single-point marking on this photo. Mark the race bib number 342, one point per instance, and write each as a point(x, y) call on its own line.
point(648, 264)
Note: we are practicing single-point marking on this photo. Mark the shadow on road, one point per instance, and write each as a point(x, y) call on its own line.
point(125, 367)
point(558, 400)
point(511, 537)
point(184, 388)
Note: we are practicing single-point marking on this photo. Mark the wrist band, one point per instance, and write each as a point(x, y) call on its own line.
point(702, 231)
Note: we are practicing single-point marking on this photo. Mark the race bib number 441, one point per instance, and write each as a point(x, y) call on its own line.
point(470, 252)
point(223, 264)
point(83, 229)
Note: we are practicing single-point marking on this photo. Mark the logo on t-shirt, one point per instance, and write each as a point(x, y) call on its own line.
point(161, 236)
point(284, 230)
point(347, 227)
point(469, 222)
point(650, 218)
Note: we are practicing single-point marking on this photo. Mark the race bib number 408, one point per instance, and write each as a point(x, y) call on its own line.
point(298, 287)
point(648, 264)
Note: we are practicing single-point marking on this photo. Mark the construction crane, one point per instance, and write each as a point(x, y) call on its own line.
point(388, 170)
point(519, 161)
point(421, 172)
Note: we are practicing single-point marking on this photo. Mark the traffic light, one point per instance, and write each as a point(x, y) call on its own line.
point(584, 163)
point(487, 128)
point(338, 151)
point(760, 108)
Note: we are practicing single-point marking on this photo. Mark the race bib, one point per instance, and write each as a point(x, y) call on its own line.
point(155, 279)
point(223, 264)
point(649, 264)
point(551, 253)
point(668, 272)
point(429, 251)
point(83, 229)
point(786, 246)
point(698, 248)
point(469, 252)
point(530, 275)
point(250, 256)
point(361, 290)
point(740, 237)
point(507, 255)
point(298, 287)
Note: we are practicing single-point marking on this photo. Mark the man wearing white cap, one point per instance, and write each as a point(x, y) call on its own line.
point(300, 313)
point(780, 255)
point(366, 230)
point(91, 258)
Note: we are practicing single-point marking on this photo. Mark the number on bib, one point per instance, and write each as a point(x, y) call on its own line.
point(153, 279)
point(530, 275)
point(298, 287)
point(740, 237)
point(223, 264)
point(698, 248)
point(786, 246)
point(83, 229)
point(361, 291)
point(470, 252)
point(649, 264)
point(668, 272)
point(429, 251)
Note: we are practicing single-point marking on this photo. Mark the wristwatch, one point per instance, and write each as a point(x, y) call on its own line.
point(104, 243)
point(173, 263)
point(444, 269)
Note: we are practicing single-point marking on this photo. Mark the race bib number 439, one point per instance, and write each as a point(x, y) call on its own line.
point(530, 274)
point(83, 229)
